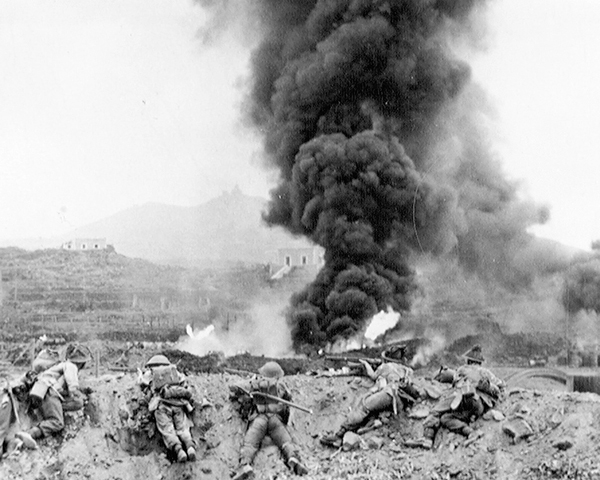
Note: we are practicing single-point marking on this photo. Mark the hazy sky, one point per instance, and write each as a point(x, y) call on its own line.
point(105, 104)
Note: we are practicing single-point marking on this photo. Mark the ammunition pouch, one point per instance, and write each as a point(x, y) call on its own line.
point(244, 403)
point(22, 390)
point(175, 392)
point(38, 393)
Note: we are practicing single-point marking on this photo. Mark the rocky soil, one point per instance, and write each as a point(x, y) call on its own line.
point(541, 431)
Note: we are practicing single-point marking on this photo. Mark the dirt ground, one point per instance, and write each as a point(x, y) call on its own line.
point(540, 431)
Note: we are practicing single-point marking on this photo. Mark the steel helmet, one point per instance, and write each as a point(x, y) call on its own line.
point(474, 355)
point(157, 361)
point(271, 370)
point(78, 354)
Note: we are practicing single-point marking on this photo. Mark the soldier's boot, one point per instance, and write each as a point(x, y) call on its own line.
point(180, 453)
point(296, 466)
point(28, 438)
point(425, 442)
point(12, 445)
point(292, 459)
point(191, 454)
point(334, 440)
point(190, 450)
point(244, 473)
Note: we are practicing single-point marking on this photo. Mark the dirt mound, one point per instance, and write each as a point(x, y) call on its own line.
point(535, 434)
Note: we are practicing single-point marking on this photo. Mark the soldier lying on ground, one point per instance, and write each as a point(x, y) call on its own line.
point(392, 392)
point(170, 402)
point(265, 416)
point(475, 390)
point(8, 417)
point(49, 391)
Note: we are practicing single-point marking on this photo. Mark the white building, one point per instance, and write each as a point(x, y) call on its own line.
point(85, 244)
point(310, 258)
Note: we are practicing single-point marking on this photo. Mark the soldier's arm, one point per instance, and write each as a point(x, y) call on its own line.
point(284, 392)
point(368, 369)
point(71, 377)
point(239, 389)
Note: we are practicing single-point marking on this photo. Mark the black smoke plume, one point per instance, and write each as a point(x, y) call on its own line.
point(377, 133)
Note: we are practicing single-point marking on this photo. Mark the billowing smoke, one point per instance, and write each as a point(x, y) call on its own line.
point(381, 143)
point(262, 333)
point(582, 287)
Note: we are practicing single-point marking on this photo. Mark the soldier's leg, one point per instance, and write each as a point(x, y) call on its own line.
point(254, 435)
point(378, 402)
point(353, 421)
point(182, 429)
point(431, 425)
point(53, 420)
point(456, 422)
point(281, 437)
point(163, 415)
point(73, 403)
point(5, 418)
point(368, 407)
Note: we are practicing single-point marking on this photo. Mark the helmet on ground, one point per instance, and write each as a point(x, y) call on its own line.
point(474, 355)
point(445, 375)
point(157, 361)
point(271, 370)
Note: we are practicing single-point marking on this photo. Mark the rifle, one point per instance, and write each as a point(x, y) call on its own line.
point(371, 360)
point(281, 400)
point(275, 398)
point(235, 371)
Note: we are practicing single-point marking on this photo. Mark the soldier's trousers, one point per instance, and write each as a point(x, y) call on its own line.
point(72, 404)
point(173, 425)
point(369, 406)
point(266, 424)
point(6, 414)
point(454, 420)
point(53, 420)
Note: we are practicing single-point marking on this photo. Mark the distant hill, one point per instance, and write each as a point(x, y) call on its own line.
point(224, 230)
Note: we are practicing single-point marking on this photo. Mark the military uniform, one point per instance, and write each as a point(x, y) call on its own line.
point(6, 417)
point(393, 391)
point(170, 405)
point(265, 416)
point(475, 390)
point(61, 392)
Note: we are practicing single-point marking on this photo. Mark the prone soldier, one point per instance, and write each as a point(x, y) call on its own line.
point(393, 391)
point(475, 390)
point(264, 403)
point(170, 402)
point(51, 389)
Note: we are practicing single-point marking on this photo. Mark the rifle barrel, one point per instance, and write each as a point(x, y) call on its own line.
point(242, 373)
point(353, 359)
point(281, 400)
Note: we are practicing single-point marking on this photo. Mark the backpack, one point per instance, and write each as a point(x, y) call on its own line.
point(165, 375)
point(45, 359)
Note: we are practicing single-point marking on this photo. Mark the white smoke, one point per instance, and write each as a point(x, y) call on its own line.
point(377, 326)
point(263, 332)
point(381, 323)
point(425, 352)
